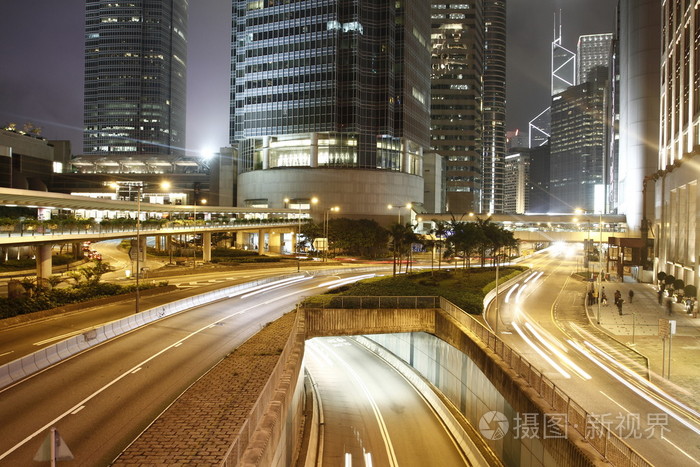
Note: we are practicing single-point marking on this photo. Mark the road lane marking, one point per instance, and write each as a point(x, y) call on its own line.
point(674, 445)
point(77, 410)
point(391, 454)
point(136, 370)
point(62, 336)
point(128, 372)
point(615, 402)
point(6, 353)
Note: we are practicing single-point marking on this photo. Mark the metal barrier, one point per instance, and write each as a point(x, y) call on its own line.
point(591, 428)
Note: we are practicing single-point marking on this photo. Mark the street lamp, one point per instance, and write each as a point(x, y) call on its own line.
point(313, 200)
point(398, 207)
point(202, 201)
point(326, 218)
point(165, 185)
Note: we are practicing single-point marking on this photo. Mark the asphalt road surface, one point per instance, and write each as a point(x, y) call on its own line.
point(101, 399)
point(372, 415)
point(542, 317)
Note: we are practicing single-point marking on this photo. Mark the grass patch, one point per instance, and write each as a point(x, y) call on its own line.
point(464, 288)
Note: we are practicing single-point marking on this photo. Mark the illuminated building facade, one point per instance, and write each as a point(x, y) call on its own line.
point(457, 37)
point(330, 99)
point(577, 144)
point(494, 107)
point(135, 65)
point(593, 50)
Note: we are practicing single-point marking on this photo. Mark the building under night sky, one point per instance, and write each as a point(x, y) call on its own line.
point(330, 99)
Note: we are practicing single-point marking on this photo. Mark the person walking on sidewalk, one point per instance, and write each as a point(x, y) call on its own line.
point(619, 305)
point(669, 305)
point(630, 294)
point(618, 296)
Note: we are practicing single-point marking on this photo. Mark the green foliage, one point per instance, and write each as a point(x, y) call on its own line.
point(465, 291)
point(53, 298)
point(232, 253)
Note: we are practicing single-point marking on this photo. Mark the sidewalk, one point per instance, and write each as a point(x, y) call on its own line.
point(638, 328)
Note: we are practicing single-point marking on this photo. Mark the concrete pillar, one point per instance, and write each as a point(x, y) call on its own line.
point(77, 250)
point(43, 262)
point(142, 249)
point(313, 155)
point(206, 247)
point(266, 153)
point(293, 247)
point(275, 242)
point(261, 241)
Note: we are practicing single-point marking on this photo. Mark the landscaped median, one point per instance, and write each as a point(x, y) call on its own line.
point(466, 288)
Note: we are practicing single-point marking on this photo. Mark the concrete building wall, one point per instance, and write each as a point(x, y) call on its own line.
point(640, 33)
point(358, 193)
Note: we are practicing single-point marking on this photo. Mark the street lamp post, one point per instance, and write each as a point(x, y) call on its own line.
point(326, 219)
point(203, 201)
point(398, 207)
point(600, 261)
point(164, 185)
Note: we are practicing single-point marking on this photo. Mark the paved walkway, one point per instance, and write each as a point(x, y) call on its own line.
point(638, 328)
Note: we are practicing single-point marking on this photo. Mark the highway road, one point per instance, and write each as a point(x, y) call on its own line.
point(543, 318)
point(372, 415)
point(102, 399)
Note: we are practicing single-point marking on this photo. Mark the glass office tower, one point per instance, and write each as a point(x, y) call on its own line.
point(457, 38)
point(135, 64)
point(329, 85)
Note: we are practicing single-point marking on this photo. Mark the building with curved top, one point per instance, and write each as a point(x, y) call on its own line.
point(135, 66)
point(330, 99)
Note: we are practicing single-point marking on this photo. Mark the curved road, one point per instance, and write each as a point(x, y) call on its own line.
point(101, 399)
point(372, 415)
point(542, 317)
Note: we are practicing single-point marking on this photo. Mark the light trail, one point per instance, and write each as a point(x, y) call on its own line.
point(553, 347)
point(537, 349)
point(634, 388)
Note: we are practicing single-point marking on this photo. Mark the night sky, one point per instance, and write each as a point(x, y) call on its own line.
point(41, 62)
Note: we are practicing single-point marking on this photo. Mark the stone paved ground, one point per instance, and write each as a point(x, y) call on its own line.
point(200, 426)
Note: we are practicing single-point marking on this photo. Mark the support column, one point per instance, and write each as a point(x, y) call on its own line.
point(275, 242)
point(77, 250)
point(313, 150)
point(206, 247)
point(261, 241)
point(43, 262)
point(293, 247)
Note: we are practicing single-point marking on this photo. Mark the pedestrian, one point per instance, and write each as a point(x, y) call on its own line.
point(619, 306)
point(660, 294)
point(618, 296)
point(669, 305)
point(590, 297)
point(630, 294)
point(604, 299)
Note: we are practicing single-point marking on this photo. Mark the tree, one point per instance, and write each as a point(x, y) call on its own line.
point(93, 274)
point(402, 239)
point(441, 231)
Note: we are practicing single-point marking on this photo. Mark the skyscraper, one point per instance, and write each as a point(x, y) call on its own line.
point(563, 63)
point(593, 50)
point(135, 64)
point(456, 118)
point(330, 99)
point(494, 104)
point(577, 144)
